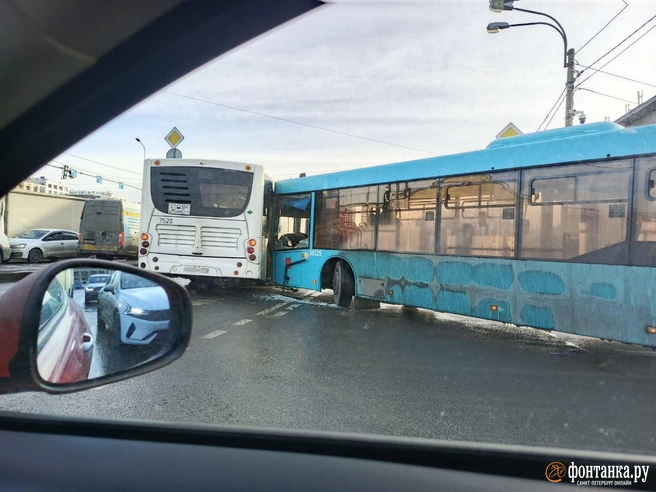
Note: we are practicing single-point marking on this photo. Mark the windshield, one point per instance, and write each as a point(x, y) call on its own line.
point(458, 241)
point(33, 234)
point(129, 281)
point(98, 279)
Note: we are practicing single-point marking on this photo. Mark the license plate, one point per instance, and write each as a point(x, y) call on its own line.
point(193, 269)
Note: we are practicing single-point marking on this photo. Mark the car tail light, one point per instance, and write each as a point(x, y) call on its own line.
point(121, 239)
point(250, 250)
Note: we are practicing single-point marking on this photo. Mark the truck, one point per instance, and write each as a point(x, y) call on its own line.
point(21, 211)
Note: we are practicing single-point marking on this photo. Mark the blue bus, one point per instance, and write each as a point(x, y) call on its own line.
point(553, 230)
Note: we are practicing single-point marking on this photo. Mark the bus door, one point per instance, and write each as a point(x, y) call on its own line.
point(291, 239)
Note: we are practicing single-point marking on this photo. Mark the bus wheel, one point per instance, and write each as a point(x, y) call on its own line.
point(343, 284)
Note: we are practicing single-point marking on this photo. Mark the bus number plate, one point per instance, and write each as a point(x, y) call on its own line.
point(193, 269)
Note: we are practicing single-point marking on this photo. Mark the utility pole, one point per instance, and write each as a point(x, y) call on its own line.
point(569, 99)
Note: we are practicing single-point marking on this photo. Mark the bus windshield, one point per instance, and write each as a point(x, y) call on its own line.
point(198, 191)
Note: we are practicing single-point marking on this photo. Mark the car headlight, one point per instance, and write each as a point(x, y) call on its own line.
point(135, 311)
point(90, 289)
point(18, 246)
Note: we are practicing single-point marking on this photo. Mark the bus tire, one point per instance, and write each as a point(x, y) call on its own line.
point(343, 284)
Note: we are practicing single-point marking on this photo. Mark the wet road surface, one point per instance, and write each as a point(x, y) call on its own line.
point(258, 358)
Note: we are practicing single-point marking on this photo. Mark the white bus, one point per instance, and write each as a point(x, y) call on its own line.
point(204, 220)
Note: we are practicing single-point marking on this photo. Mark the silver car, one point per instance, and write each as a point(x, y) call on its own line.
point(5, 248)
point(37, 244)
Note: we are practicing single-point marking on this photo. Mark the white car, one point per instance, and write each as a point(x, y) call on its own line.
point(5, 248)
point(36, 244)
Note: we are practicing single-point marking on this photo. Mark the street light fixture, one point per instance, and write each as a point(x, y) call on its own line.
point(568, 59)
point(495, 27)
point(144, 147)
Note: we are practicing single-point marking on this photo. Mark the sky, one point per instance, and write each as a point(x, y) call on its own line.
point(362, 83)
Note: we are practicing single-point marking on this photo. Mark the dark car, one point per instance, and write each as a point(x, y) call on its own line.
point(94, 284)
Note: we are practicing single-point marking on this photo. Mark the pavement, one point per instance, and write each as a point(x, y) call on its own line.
point(258, 358)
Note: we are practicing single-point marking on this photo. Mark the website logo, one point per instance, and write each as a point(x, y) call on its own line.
point(555, 471)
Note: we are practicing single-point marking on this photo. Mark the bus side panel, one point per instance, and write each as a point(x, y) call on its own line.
point(602, 301)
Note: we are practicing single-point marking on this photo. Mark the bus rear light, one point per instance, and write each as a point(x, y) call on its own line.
point(494, 308)
point(651, 329)
point(121, 239)
point(252, 257)
point(239, 264)
point(145, 244)
point(250, 250)
point(143, 251)
point(144, 236)
point(143, 265)
point(252, 242)
point(236, 272)
point(288, 261)
point(155, 259)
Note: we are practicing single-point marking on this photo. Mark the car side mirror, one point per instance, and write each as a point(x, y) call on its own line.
point(54, 343)
point(108, 288)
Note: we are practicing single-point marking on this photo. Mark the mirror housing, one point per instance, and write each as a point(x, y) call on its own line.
point(20, 316)
point(108, 288)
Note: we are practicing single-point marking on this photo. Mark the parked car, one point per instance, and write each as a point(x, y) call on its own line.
point(94, 284)
point(134, 308)
point(37, 244)
point(5, 247)
point(64, 343)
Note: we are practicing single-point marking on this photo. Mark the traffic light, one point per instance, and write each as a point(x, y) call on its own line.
point(67, 172)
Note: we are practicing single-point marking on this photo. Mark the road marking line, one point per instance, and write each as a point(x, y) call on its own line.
point(272, 308)
point(243, 322)
point(366, 325)
point(287, 310)
point(214, 334)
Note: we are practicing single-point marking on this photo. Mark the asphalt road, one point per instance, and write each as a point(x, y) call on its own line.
point(260, 359)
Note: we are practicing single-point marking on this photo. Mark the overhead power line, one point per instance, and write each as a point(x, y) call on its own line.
point(616, 56)
point(620, 76)
point(562, 94)
point(607, 24)
point(299, 123)
point(620, 44)
point(95, 175)
point(76, 167)
point(562, 100)
point(103, 164)
point(606, 95)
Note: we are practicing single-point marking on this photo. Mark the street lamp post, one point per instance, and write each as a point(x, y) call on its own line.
point(568, 58)
point(144, 147)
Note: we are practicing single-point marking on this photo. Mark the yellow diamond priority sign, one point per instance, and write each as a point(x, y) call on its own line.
point(510, 130)
point(174, 138)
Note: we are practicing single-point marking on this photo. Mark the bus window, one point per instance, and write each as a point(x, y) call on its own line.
point(577, 212)
point(346, 219)
point(293, 219)
point(478, 215)
point(407, 217)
